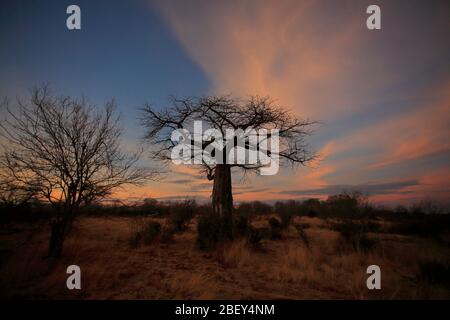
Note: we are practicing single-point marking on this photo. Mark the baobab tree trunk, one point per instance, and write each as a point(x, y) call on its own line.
point(222, 199)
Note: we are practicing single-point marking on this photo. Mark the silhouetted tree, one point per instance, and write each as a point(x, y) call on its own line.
point(67, 152)
point(224, 113)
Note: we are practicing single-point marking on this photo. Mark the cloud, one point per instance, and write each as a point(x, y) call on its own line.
point(370, 189)
point(180, 181)
point(384, 96)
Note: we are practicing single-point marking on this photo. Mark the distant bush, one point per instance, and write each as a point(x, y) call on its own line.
point(311, 207)
point(252, 209)
point(181, 214)
point(254, 237)
point(275, 228)
point(354, 235)
point(346, 205)
point(135, 240)
point(28, 212)
point(435, 272)
point(150, 231)
point(286, 211)
point(302, 234)
point(286, 219)
point(241, 226)
point(167, 234)
point(424, 226)
point(208, 232)
point(146, 233)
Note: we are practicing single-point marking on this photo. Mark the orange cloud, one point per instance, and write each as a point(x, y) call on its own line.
point(318, 58)
point(280, 49)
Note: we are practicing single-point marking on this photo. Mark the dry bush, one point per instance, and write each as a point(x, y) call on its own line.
point(144, 231)
point(235, 255)
point(275, 228)
point(208, 232)
point(353, 235)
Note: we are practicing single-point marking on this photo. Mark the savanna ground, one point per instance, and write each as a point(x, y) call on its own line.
point(319, 265)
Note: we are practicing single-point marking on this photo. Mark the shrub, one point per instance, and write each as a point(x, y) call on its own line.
point(287, 210)
point(304, 225)
point(435, 272)
point(286, 218)
point(135, 240)
point(346, 204)
point(181, 214)
point(275, 228)
point(245, 209)
point(363, 243)
point(311, 207)
point(251, 209)
point(241, 226)
point(302, 234)
point(354, 235)
point(425, 226)
point(146, 232)
point(254, 237)
point(167, 235)
point(208, 232)
point(261, 208)
point(150, 232)
point(372, 227)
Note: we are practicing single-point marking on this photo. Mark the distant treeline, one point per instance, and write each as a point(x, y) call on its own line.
point(344, 205)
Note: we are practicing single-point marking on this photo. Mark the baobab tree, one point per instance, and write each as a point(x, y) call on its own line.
point(223, 113)
point(67, 152)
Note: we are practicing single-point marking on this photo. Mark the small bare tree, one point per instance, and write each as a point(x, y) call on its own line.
point(67, 152)
point(224, 113)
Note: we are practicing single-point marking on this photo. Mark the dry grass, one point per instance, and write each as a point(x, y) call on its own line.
point(284, 269)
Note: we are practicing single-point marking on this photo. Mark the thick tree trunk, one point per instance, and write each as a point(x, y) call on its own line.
point(222, 199)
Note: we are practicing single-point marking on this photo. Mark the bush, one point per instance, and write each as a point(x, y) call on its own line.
point(135, 240)
point(346, 204)
point(146, 233)
point(354, 235)
point(241, 226)
point(275, 228)
point(251, 209)
point(208, 232)
point(286, 218)
point(254, 237)
point(425, 226)
point(311, 207)
point(181, 214)
point(150, 232)
point(286, 210)
point(167, 235)
point(435, 272)
point(302, 234)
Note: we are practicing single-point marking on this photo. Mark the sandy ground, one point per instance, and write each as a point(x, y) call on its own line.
point(283, 269)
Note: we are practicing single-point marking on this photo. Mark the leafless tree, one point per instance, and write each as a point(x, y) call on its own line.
point(68, 152)
point(222, 113)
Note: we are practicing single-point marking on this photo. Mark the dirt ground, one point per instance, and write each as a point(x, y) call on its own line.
point(282, 269)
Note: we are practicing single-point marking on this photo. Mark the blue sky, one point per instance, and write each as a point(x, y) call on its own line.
point(123, 50)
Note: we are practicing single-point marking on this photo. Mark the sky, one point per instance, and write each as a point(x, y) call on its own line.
point(382, 97)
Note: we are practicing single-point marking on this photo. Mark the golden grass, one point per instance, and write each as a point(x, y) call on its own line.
point(284, 269)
